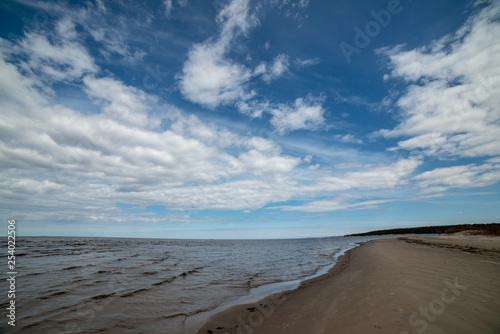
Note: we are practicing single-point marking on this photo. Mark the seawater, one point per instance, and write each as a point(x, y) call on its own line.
point(116, 285)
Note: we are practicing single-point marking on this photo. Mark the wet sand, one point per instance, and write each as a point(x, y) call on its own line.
point(429, 284)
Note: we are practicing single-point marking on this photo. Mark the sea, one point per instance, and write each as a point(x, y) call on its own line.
point(118, 285)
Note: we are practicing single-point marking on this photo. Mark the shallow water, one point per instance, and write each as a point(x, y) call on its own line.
point(115, 285)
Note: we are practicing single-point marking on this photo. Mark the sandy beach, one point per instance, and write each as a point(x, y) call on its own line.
point(424, 284)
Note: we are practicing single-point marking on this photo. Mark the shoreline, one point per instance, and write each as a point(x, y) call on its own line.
point(194, 324)
point(248, 315)
point(383, 286)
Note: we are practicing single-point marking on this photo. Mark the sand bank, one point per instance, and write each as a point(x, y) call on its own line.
point(421, 285)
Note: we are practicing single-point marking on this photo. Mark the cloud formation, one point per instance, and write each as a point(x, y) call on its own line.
point(451, 107)
point(303, 114)
point(59, 60)
point(466, 176)
point(208, 76)
point(278, 67)
point(81, 141)
point(122, 153)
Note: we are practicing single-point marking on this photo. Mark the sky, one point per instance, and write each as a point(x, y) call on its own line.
point(248, 118)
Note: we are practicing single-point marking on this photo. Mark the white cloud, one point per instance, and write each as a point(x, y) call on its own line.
point(122, 103)
point(236, 18)
point(279, 66)
point(348, 139)
point(371, 177)
point(100, 5)
point(71, 164)
point(465, 176)
point(313, 167)
point(294, 8)
point(253, 108)
point(367, 178)
point(60, 60)
point(304, 3)
point(452, 107)
point(108, 28)
point(341, 203)
point(114, 42)
point(210, 80)
point(307, 62)
point(66, 29)
point(303, 114)
point(78, 166)
point(169, 5)
point(208, 76)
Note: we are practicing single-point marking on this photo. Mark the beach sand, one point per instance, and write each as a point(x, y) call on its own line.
point(429, 284)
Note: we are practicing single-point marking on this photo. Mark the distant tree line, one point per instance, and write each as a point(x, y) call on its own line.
point(485, 229)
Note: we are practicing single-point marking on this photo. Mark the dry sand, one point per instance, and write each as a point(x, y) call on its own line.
point(470, 243)
point(418, 285)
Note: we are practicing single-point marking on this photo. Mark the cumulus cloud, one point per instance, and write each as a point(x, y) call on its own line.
point(73, 166)
point(208, 76)
point(303, 114)
point(130, 157)
point(128, 148)
point(348, 139)
point(123, 103)
point(451, 107)
point(76, 164)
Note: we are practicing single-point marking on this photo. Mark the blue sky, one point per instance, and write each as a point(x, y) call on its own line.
point(248, 119)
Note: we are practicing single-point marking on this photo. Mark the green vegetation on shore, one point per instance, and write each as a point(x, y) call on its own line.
point(483, 229)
